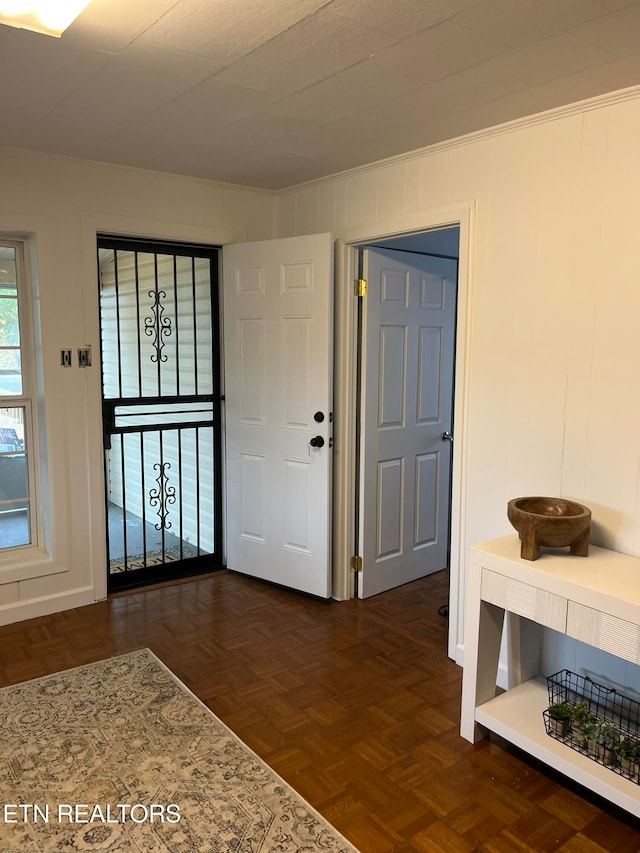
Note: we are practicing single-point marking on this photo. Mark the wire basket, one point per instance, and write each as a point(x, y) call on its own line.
point(596, 721)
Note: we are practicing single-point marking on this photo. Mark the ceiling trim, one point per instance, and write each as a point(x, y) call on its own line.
point(123, 167)
point(598, 102)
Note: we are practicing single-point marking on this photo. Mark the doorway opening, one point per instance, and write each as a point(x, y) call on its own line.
point(159, 325)
point(407, 346)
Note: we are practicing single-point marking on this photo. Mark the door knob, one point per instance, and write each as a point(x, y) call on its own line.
point(317, 441)
point(447, 436)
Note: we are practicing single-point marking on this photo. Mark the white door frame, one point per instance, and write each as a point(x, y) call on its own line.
point(92, 224)
point(462, 216)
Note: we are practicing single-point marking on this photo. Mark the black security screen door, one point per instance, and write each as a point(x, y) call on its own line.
point(161, 409)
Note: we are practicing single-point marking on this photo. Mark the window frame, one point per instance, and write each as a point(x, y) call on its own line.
point(26, 400)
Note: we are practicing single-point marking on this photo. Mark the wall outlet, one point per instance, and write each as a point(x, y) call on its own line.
point(65, 358)
point(84, 357)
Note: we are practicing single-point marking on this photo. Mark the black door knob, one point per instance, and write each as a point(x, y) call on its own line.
point(318, 417)
point(317, 441)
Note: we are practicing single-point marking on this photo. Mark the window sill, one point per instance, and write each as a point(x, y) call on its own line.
point(22, 564)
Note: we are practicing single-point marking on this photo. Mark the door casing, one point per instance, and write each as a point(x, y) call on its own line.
point(92, 224)
point(345, 402)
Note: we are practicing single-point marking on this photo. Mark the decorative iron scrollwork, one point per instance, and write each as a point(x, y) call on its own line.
point(163, 496)
point(157, 325)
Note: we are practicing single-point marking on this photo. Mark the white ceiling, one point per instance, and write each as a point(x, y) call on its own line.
point(271, 93)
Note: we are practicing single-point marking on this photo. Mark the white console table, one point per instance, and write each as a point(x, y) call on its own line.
point(595, 599)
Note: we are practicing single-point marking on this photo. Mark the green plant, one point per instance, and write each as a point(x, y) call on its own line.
point(584, 725)
point(608, 735)
point(628, 748)
point(561, 711)
point(558, 719)
point(590, 732)
point(582, 716)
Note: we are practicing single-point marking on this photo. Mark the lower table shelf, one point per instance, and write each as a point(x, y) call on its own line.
point(517, 717)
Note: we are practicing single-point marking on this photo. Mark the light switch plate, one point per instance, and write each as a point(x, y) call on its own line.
point(84, 357)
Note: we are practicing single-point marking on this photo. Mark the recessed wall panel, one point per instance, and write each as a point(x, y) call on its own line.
point(296, 347)
point(392, 372)
point(432, 291)
point(428, 396)
point(252, 496)
point(297, 505)
point(394, 287)
point(426, 499)
point(390, 508)
point(250, 279)
point(296, 277)
point(251, 369)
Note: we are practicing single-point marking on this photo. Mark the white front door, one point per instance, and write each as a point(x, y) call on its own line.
point(408, 359)
point(277, 309)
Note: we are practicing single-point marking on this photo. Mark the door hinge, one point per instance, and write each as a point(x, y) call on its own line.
point(360, 287)
point(356, 564)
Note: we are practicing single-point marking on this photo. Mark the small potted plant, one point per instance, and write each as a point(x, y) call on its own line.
point(560, 716)
point(607, 737)
point(629, 752)
point(590, 732)
point(583, 725)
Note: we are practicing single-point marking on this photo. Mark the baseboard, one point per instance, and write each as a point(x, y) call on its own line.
point(18, 611)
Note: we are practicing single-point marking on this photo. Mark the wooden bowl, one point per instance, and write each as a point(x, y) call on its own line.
point(552, 522)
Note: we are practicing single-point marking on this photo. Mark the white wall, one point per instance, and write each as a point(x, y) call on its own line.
point(61, 203)
point(553, 349)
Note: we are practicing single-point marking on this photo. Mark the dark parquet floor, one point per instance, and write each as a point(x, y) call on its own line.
point(355, 704)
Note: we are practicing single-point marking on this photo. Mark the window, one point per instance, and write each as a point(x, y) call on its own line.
point(17, 517)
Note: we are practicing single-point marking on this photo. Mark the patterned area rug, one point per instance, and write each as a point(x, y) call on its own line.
point(120, 756)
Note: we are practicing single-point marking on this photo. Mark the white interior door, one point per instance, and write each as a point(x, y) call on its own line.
point(278, 302)
point(407, 398)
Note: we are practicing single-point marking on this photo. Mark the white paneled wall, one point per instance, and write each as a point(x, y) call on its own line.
point(553, 349)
